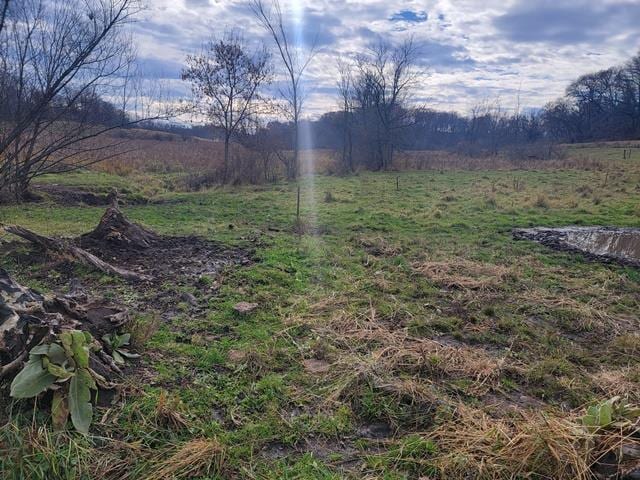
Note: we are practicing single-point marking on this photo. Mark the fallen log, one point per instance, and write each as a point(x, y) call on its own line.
point(66, 248)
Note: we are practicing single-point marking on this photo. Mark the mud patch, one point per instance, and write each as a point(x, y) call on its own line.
point(604, 244)
point(171, 258)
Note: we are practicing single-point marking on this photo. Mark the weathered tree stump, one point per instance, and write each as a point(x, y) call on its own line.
point(116, 229)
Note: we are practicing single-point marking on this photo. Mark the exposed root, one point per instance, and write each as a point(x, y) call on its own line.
point(67, 249)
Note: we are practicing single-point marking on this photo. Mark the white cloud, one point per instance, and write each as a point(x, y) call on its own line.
point(474, 49)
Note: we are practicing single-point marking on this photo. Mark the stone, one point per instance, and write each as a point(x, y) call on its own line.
point(245, 308)
point(315, 366)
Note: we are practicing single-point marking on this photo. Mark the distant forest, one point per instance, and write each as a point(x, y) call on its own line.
point(599, 106)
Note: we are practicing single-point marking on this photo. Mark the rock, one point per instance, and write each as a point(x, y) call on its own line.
point(316, 366)
point(236, 356)
point(375, 430)
point(189, 298)
point(245, 308)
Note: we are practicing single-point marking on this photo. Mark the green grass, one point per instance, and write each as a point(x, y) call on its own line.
point(551, 320)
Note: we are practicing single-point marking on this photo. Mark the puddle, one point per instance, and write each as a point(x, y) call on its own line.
point(621, 245)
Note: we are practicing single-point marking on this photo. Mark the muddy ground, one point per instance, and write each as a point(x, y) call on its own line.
point(174, 265)
point(601, 244)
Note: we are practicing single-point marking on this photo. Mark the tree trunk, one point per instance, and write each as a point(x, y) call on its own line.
point(225, 173)
point(296, 151)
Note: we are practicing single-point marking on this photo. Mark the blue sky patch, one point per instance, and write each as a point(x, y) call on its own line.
point(409, 16)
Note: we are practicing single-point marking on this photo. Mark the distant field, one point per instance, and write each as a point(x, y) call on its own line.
point(401, 333)
point(169, 154)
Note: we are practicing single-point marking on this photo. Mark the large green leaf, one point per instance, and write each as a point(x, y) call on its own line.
point(67, 341)
point(80, 400)
point(119, 359)
point(40, 350)
point(57, 354)
point(59, 410)
point(32, 380)
point(80, 349)
point(128, 354)
point(60, 372)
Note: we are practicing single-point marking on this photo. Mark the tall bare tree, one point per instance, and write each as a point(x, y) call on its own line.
point(345, 90)
point(4, 8)
point(295, 62)
point(60, 60)
point(225, 79)
point(387, 76)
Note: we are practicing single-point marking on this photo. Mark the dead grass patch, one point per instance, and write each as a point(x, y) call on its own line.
point(378, 247)
point(621, 382)
point(373, 349)
point(464, 274)
point(196, 458)
point(532, 445)
point(168, 412)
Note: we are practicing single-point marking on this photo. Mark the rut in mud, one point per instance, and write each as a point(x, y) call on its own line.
point(605, 244)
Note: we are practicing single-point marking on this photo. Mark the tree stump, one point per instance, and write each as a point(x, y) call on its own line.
point(117, 230)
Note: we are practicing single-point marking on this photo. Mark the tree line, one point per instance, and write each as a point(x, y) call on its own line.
point(377, 115)
point(67, 77)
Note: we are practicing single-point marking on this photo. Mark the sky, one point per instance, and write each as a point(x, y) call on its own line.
point(515, 52)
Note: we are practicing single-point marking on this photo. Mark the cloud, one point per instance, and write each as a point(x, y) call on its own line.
point(159, 68)
point(437, 55)
point(196, 3)
point(471, 48)
point(566, 22)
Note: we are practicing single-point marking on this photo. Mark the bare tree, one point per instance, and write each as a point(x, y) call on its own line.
point(225, 79)
point(295, 63)
point(4, 8)
point(63, 64)
point(387, 76)
point(345, 90)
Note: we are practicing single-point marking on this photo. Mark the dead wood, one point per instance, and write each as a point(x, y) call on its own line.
point(64, 248)
point(28, 318)
point(116, 229)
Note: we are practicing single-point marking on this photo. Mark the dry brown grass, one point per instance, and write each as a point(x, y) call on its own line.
point(553, 446)
point(379, 246)
point(376, 350)
point(418, 372)
point(621, 382)
point(168, 412)
point(159, 152)
point(464, 274)
point(477, 446)
point(196, 458)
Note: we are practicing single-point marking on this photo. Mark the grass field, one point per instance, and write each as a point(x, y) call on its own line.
point(401, 333)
